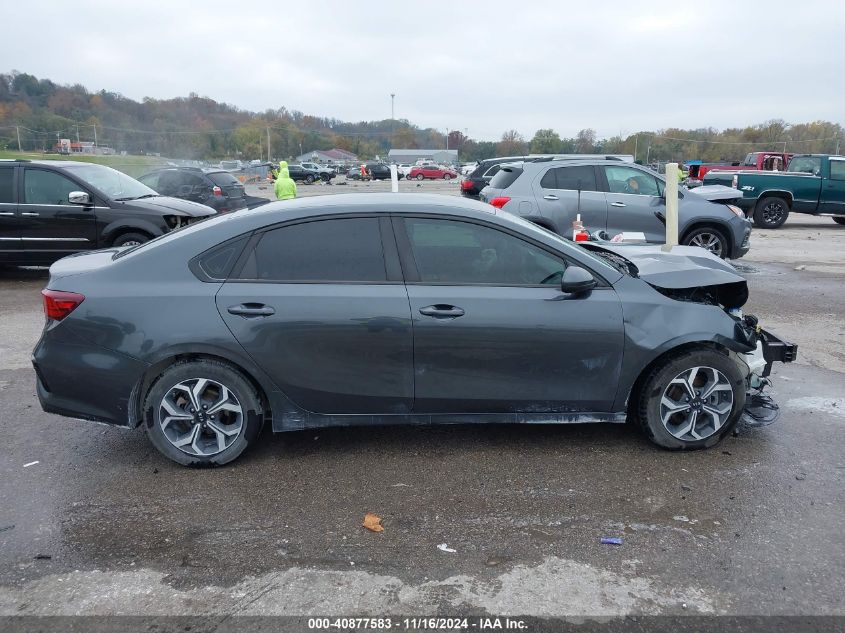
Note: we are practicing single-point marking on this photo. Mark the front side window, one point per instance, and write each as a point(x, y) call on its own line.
point(340, 250)
point(806, 165)
point(111, 182)
point(630, 181)
point(574, 178)
point(47, 187)
point(454, 252)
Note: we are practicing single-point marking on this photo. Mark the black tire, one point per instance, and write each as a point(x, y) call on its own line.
point(309, 179)
point(447, 177)
point(650, 408)
point(130, 239)
point(711, 238)
point(770, 212)
point(325, 177)
point(420, 177)
point(839, 221)
point(245, 397)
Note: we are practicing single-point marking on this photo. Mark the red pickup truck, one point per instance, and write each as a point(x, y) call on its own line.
point(755, 161)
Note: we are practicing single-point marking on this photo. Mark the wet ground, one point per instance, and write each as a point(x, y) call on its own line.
point(503, 519)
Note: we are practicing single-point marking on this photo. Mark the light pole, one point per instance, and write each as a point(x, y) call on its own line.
point(392, 118)
point(447, 138)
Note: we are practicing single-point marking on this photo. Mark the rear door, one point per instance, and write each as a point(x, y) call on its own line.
point(10, 233)
point(320, 305)
point(51, 226)
point(493, 333)
point(562, 193)
point(833, 188)
point(634, 197)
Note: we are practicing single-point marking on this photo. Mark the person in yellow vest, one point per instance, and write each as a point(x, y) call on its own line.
point(285, 186)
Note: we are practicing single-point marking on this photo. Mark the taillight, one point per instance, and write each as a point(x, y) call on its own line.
point(466, 185)
point(500, 201)
point(59, 304)
point(217, 191)
point(734, 181)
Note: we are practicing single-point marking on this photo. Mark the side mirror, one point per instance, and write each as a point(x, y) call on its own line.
point(577, 281)
point(78, 197)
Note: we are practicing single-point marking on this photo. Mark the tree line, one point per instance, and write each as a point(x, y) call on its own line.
point(37, 112)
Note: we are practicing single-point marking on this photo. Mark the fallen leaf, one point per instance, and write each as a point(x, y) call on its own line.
point(373, 522)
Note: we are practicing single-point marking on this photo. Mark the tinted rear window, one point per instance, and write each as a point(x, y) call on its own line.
point(222, 178)
point(217, 262)
point(6, 174)
point(340, 250)
point(506, 177)
point(574, 178)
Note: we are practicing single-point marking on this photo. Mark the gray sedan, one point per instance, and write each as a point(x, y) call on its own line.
point(615, 197)
point(392, 309)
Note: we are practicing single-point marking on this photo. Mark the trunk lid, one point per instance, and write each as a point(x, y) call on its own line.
point(80, 263)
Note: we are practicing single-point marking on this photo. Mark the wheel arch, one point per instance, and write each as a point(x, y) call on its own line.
point(776, 193)
point(144, 384)
point(715, 225)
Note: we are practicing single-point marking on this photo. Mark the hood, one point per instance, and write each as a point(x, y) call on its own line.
point(167, 206)
point(682, 267)
point(283, 170)
point(717, 192)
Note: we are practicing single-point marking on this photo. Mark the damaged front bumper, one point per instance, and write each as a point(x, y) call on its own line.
point(768, 348)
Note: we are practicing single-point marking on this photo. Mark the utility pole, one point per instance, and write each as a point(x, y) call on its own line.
point(95, 135)
point(447, 138)
point(77, 133)
point(268, 144)
point(837, 146)
point(636, 145)
point(18, 131)
point(392, 117)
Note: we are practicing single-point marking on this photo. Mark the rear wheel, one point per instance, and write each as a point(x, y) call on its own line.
point(770, 213)
point(691, 401)
point(130, 239)
point(709, 238)
point(839, 221)
point(447, 176)
point(309, 179)
point(202, 413)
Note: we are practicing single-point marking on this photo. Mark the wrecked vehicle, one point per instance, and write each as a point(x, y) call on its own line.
point(394, 309)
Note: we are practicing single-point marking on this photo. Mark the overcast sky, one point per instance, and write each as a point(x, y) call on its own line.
point(483, 67)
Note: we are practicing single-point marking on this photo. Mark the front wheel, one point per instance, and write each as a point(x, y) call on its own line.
point(691, 401)
point(711, 239)
point(770, 213)
point(202, 413)
point(420, 177)
point(130, 239)
point(309, 179)
point(447, 176)
point(839, 221)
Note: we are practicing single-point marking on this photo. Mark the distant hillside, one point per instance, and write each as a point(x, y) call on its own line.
point(35, 112)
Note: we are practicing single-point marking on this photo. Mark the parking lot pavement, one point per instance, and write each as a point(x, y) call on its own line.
point(341, 185)
point(101, 523)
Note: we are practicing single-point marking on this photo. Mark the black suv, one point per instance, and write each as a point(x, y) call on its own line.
point(298, 173)
point(49, 209)
point(217, 188)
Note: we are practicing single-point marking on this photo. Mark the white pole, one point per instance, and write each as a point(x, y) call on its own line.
point(671, 206)
point(394, 179)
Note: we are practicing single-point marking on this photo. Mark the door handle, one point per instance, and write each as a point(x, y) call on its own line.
point(251, 310)
point(617, 204)
point(550, 197)
point(442, 311)
point(29, 213)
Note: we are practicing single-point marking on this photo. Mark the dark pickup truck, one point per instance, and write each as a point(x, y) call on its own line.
point(721, 173)
point(814, 184)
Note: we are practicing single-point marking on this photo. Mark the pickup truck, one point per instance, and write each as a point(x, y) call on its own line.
point(721, 173)
point(814, 184)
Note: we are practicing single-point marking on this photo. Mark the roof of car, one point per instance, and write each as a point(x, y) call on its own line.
point(54, 163)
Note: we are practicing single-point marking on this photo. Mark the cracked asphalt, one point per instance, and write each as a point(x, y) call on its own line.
point(94, 521)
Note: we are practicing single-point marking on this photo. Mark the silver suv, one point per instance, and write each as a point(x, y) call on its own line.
point(614, 196)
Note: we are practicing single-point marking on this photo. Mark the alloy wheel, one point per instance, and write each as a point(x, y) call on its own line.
point(200, 417)
point(696, 403)
point(710, 241)
point(772, 212)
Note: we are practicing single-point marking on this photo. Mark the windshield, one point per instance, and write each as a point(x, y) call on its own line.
point(806, 164)
point(114, 184)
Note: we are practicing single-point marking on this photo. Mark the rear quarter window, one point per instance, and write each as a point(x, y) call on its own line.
point(506, 177)
point(222, 178)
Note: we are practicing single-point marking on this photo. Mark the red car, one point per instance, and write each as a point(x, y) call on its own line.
point(433, 172)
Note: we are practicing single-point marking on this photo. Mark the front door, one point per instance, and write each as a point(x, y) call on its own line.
point(833, 188)
point(493, 333)
point(634, 197)
point(10, 233)
point(52, 227)
point(319, 307)
point(563, 193)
